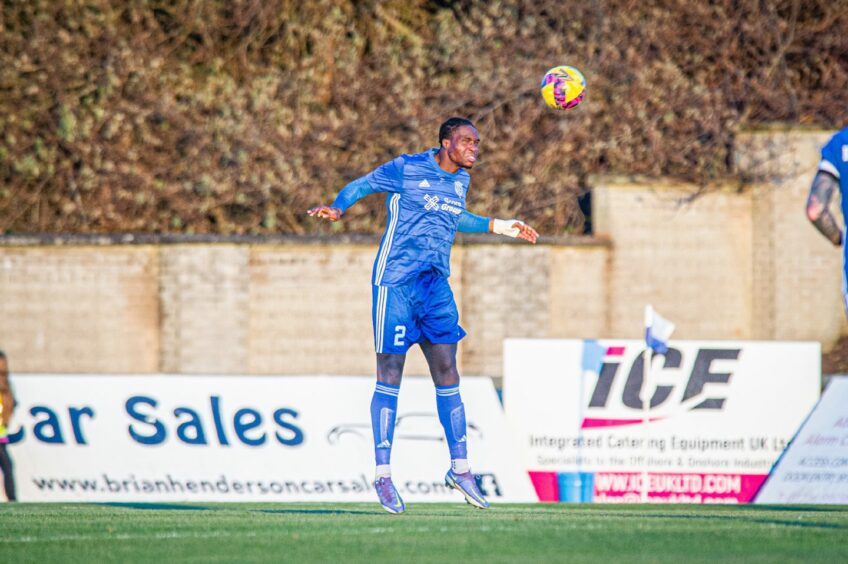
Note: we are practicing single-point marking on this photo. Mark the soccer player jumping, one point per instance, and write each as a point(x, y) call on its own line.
point(411, 299)
point(832, 175)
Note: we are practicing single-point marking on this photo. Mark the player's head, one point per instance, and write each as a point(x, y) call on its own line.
point(458, 139)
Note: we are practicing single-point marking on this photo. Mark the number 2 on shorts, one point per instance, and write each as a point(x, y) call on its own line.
point(400, 333)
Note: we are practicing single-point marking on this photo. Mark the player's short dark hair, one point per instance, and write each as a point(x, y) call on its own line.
point(2, 354)
point(451, 125)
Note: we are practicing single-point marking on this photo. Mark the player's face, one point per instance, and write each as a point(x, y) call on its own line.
point(464, 146)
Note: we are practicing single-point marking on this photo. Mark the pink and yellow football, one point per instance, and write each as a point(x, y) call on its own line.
point(563, 87)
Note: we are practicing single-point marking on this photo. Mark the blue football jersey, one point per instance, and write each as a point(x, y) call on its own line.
point(835, 161)
point(424, 204)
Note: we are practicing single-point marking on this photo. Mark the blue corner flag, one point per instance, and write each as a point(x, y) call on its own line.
point(657, 331)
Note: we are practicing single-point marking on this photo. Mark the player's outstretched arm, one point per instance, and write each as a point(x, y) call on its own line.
point(349, 195)
point(472, 223)
point(818, 212)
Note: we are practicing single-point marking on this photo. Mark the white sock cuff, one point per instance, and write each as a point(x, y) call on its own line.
point(460, 465)
point(383, 471)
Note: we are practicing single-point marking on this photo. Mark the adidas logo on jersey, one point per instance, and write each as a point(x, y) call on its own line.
point(424, 184)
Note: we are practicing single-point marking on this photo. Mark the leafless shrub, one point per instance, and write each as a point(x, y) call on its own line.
point(235, 116)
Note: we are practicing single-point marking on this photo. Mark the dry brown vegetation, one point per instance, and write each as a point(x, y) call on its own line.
point(235, 116)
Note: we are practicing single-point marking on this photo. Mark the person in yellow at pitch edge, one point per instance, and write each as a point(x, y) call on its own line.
point(7, 406)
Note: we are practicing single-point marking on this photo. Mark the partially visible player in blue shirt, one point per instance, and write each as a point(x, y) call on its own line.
point(832, 175)
point(412, 302)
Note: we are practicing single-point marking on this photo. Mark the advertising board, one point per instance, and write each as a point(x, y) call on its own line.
point(720, 414)
point(242, 438)
point(814, 468)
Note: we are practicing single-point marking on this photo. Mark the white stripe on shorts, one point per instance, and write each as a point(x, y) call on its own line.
point(379, 322)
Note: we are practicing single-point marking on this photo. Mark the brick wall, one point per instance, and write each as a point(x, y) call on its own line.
point(286, 308)
point(310, 310)
point(690, 259)
point(80, 308)
point(204, 306)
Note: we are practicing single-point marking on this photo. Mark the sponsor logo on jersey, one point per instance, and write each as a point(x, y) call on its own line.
point(432, 202)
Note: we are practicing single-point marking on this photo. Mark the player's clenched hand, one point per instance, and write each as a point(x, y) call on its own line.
point(326, 212)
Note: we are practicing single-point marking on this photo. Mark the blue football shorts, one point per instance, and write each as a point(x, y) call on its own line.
point(423, 308)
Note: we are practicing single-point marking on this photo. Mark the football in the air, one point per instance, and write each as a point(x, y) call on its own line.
point(563, 87)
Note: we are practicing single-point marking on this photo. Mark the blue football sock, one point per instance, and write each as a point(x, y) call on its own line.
point(383, 414)
point(452, 416)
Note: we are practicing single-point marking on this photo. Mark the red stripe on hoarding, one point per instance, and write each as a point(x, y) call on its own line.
point(546, 485)
point(589, 423)
point(615, 351)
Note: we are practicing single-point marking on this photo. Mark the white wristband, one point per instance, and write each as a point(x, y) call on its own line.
point(505, 227)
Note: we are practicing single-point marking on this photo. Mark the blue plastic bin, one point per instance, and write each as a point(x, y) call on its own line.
point(576, 487)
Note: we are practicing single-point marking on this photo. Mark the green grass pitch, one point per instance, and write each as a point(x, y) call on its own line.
point(292, 532)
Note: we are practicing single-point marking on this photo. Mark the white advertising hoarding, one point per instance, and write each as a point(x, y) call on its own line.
point(720, 415)
point(241, 438)
point(814, 468)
